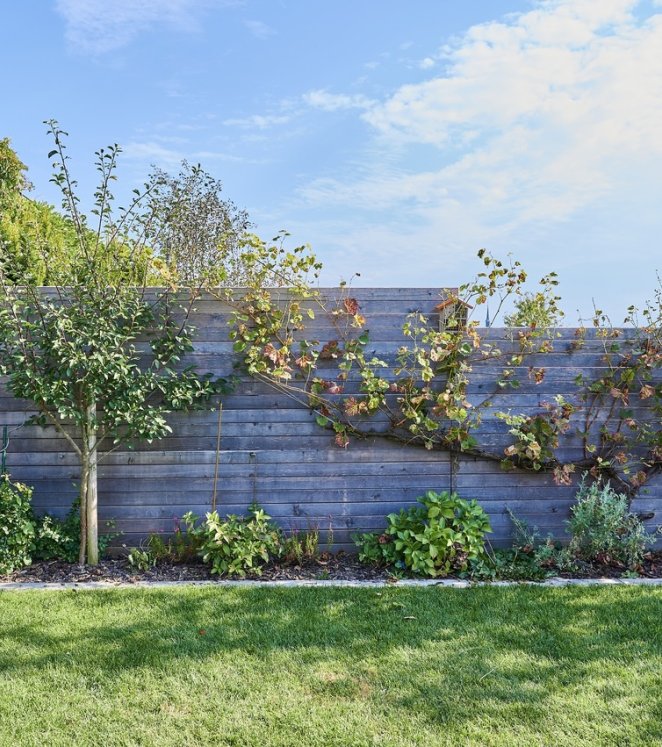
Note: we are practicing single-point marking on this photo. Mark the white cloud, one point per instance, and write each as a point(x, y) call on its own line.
point(153, 152)
point(542, 120)
point(535, 118)
point(212, 155)
point(259, 29)
point(100, 26)
point(426, 63)
point(258, 121)
point(330, 102)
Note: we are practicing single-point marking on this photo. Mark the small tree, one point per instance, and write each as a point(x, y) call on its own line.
point(201, 234)
point(75, 350)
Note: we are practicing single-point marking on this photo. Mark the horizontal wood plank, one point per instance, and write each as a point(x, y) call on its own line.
point(273, 451)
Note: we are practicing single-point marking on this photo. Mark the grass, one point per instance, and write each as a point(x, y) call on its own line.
point(228, 666)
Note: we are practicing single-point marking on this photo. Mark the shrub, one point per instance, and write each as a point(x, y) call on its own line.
point(377, 549)
point(603, 529)
point(17, 525)
point(236, 545)
point(440, 536)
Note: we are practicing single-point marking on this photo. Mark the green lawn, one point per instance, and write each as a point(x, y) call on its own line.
point(260, 666)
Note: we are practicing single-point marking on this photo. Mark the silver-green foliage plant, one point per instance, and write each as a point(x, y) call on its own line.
point(77, 352)
point(438, 537)
point(17, 525)
point(236, 545)
point(603, 529)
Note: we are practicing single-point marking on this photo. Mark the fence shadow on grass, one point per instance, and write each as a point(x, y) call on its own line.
point(441, 655)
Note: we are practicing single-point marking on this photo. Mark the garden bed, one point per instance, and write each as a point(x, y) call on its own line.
point(338, 567)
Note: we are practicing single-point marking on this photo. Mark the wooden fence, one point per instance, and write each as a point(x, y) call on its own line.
point(273, 451)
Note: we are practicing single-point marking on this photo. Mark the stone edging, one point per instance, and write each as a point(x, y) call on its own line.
point(404, 583)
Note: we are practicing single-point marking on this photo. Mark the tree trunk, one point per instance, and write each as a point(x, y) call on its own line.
point(82, 548)
point(92, 523)
point(92, 520)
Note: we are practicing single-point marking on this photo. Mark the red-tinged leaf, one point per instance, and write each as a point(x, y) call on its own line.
point(342, 440)
point(351, 306)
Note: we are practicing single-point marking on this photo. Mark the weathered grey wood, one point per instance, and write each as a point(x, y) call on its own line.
point(229, 474)
point(274, 452)
point(387, 453)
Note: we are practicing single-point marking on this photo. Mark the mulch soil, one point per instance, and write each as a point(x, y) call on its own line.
point(328, 567)
point(338, 567)
point(650, 568)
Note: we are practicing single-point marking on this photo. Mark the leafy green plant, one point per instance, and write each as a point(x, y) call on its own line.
point(235, 545)
point(17, 525)
point(140, 559)
point(510, 564)
point(59, 539)
point(539, 310)
point(180, 547)
point(602, 527)
point(301, 547)
point(376, 549)
point(442, 535)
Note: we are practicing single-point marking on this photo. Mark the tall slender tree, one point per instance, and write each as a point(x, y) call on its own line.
point(100, 353)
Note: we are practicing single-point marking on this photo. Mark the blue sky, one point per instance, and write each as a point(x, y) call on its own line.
point(395, 137)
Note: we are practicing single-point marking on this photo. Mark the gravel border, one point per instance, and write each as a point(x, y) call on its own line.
point(444, 583)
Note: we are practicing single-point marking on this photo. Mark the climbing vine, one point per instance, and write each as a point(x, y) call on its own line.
point(423, 394)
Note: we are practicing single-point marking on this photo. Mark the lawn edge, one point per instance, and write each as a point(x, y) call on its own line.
point(555, 582)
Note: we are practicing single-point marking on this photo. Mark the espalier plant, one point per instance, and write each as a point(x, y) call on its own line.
point(76, 351)
point(422, 399)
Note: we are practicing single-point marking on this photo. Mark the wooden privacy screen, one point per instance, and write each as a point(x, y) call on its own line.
point(273, 451)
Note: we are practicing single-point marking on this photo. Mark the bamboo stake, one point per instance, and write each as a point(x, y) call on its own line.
point(218, 455)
